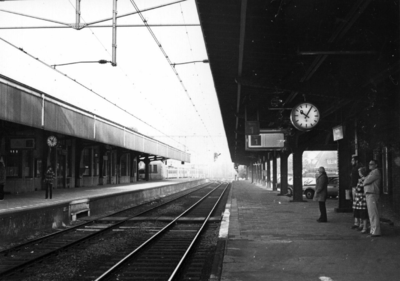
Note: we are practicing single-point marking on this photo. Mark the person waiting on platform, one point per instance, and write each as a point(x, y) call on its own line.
point(355, 176)
point(3, 176)
point(360, 203)
point(321, 193)
point(49, 177)
point(371, 190)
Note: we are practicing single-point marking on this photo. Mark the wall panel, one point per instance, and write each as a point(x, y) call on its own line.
point(109, 134)
point(66, 121)
point(20, 107)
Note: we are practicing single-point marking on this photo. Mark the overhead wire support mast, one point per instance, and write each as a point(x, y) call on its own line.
point(114, 34)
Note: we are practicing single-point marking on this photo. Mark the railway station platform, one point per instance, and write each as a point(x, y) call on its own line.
point(21, 215)
point(270, 238)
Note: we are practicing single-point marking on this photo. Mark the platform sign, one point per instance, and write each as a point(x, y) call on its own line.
point(337, 132)
point(255, 141)
point(266, 140)
point(252, 128)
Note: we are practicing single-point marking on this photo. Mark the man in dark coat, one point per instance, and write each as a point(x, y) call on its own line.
point(321, 193)
point(49, 177)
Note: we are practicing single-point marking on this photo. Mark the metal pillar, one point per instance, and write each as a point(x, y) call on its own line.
point(252, 172)
point(147, 168)
point(114, 34)
point(268, 172)
point(344, 166)
point(298, 176)
point(274, 172)
point(284, 172)
point(263, 168)
point(78, 14)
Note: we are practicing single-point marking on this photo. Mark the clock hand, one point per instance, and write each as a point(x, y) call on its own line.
point(309, 111)
point(301, 112)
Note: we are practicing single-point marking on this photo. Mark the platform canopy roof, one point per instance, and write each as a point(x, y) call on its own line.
point(342, 56)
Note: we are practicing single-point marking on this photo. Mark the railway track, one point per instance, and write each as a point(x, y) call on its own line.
point(17, 258)
point(163, 256)
point(22, 261)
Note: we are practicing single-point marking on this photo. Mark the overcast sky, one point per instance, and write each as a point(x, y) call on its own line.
point(142, 83)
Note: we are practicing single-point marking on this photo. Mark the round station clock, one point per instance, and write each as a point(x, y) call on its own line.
point(305, 116)
point(52, 141)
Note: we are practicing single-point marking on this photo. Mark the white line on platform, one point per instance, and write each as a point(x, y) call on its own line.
point(224, 229)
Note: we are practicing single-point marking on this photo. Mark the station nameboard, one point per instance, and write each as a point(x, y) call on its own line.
point(266, 140)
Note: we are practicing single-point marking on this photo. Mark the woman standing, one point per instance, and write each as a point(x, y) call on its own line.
point(360, 203)
point(321, 193)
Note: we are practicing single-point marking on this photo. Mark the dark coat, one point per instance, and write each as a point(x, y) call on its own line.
point(321, 188)
point(355, 176)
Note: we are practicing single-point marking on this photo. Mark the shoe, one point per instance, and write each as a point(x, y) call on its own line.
point(374, 235)
point(354, 226)
point(364, 231)
point(319, 220)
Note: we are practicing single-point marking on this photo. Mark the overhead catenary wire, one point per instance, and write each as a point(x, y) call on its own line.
point(87, 88)
point(194, 65)
point(124, 73)
point(171, 65)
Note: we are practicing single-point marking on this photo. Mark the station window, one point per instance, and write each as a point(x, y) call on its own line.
point(27, 164)
point(154, 170)
point(86, 162)
point(14, 163)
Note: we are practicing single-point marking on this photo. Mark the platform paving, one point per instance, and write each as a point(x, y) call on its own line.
point(271, 238)
point(36, 199)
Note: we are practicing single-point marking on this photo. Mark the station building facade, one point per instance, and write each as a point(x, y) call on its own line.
point(38, 130)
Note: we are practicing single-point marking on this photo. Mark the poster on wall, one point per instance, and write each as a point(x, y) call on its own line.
point(337, 133)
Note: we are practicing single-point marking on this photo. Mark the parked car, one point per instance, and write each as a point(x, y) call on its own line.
point(309, 187)
point(333, 187)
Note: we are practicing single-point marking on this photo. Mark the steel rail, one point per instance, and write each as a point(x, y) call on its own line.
point(156, 235)
point(90, 236)
point(70, 229)
point(196, 237)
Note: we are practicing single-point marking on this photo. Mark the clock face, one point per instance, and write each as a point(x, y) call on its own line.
point(52, 141)
point(305, 116)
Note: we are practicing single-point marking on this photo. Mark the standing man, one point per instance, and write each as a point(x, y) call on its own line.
point(3, 176)
point(355, 176)
point(49, 177)
point(321, 193)
point(372, 185)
